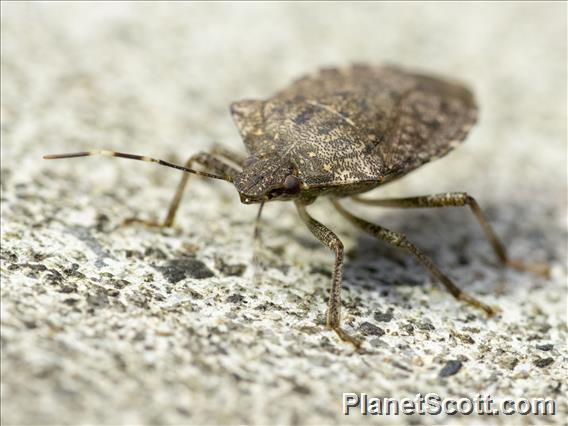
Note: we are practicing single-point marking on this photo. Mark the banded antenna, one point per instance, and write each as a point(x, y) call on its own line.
point(107, 153)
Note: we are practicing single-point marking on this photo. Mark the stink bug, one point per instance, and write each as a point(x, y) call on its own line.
point(340, 133)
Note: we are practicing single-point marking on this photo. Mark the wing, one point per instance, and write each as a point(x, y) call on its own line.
point(324, 146)
point(357, 124)
point(405, 119)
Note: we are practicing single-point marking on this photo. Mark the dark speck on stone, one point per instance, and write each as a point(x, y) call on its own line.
point(547, 347)
point(235, 270)
point(451, 368)
point(30, 324)
point(155, 252)
point(235, 298)
point(383, 316)
point(544, 328)
point(401, 366)
point(426, 326)
point(371, 329)
point(98, 299)
point(268, 306)
point(179, 269)
point(543, 362)
point(53, 277)
point(301, 389)
point(68, 288)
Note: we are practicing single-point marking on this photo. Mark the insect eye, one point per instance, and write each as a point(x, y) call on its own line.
point(291, 184)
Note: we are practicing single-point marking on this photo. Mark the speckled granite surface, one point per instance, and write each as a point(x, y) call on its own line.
point(104, 324)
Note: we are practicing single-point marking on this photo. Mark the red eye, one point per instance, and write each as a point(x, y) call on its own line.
point(291, 184)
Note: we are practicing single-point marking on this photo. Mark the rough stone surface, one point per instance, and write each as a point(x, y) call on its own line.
point(100, 326)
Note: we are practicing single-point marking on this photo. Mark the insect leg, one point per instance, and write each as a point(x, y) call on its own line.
point(400, 240)
point(224, 172)
point(205, 159)
point(460, 199)
point(330, 240)
point(257, 243)
point(228, 154)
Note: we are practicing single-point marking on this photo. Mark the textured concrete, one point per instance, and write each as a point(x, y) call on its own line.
point(105, 324)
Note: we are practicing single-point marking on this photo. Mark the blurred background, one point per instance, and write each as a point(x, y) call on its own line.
point(157, 79)
point(174, 68)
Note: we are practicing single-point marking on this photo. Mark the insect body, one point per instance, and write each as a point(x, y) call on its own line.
point(339, 133)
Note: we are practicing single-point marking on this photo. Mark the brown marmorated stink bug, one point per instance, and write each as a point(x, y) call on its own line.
point(340, 133)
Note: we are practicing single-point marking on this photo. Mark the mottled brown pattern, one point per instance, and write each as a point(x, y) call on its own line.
point(345, 131)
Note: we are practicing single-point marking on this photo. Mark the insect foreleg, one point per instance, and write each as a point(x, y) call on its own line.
point(208, 161)
point(400, 240)
point(460, 199)
point(220, 171)
point(204, 159)
point(330, 240)
point(228, 154)
point(257, 243)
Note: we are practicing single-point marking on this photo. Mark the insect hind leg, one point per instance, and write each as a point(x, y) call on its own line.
point(399, 240)
point(452, 199)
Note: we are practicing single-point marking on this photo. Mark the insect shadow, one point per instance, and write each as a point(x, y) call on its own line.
point(455, 242)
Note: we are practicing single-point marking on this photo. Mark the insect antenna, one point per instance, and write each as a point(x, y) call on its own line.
point(136, 157)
